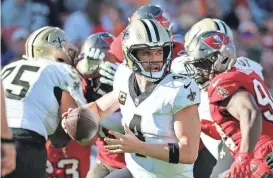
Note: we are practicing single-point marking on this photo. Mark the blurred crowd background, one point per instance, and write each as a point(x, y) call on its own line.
point(251, 21)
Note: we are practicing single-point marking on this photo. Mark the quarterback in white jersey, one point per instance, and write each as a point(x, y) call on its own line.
point(151, 118)
point(38, 89)
point(160, 114)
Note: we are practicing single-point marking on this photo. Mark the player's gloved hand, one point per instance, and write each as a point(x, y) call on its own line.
point(209, 129)
point(260, 169)
point(107, 71)
point(269, 161)
point(241, 166)
point(91, 61)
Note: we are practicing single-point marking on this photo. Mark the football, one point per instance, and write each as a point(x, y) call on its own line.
point(81, 125)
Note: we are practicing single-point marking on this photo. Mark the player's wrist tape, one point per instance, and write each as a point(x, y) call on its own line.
point(7, 140)
point(173, 153)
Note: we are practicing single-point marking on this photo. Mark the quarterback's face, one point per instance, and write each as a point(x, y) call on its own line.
point(151, 59)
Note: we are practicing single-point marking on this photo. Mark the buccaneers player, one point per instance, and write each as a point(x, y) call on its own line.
point(240, 103)
point(95, 50)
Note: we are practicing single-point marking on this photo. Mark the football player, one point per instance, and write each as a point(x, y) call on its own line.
point(159, 109)
point(105, 163)
point(38, 89)
point(240, 103)
point(73, 160)
point(205, 164)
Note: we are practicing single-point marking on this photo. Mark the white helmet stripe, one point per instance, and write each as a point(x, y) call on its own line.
point(222, 29)
point(151, 29)
point(32, 39)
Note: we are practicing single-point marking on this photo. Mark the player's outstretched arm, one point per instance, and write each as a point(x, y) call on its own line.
point(187, 130)
point(242, 106)
point(104, 106)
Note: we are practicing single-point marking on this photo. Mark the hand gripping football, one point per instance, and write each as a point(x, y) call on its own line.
point(81, 124)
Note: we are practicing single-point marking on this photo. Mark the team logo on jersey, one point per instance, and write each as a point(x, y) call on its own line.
point(223, 92)
point(191, 96)
point(122, 97)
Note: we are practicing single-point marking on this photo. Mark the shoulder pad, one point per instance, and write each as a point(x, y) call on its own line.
point(243, 62)
point(227, 83)
point(121, 76)
point(69, 80)
point(188, 93)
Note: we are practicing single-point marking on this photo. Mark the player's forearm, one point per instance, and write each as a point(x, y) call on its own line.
point(104, 106)
point(251, 127)
point(161, 152)
point(5, 130)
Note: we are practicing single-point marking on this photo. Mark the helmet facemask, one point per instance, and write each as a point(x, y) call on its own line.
point(147, 34)
point(211, 53)
point(151, 70)
point(202, 70)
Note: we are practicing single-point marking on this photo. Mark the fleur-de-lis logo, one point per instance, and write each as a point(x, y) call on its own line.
point(58, 42)
point(125, 35)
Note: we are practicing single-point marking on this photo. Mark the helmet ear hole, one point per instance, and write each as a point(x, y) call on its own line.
point(60, 60)
point(225, 60)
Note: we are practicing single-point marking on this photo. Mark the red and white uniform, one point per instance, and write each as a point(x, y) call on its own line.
point(225, 85)
point(112, 160)
point(72, 161)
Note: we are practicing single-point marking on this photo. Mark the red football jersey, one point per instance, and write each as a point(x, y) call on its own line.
point(113, 160)
point(225, 85)
point(72, 161)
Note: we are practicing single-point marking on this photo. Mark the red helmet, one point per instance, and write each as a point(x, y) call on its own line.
point(178, 45)
point(155, 12)
point(100, 40)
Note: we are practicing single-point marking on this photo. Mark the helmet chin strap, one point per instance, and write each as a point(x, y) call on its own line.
point(154, 76)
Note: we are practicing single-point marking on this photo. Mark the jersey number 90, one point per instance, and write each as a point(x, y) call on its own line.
point(264, 99)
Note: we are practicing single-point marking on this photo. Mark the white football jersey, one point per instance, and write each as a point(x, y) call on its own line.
point(243, 62)
point(29, 91)
point(151, 118)
point(204, 114)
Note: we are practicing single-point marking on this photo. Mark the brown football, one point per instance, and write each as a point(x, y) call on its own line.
point(81, 124)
